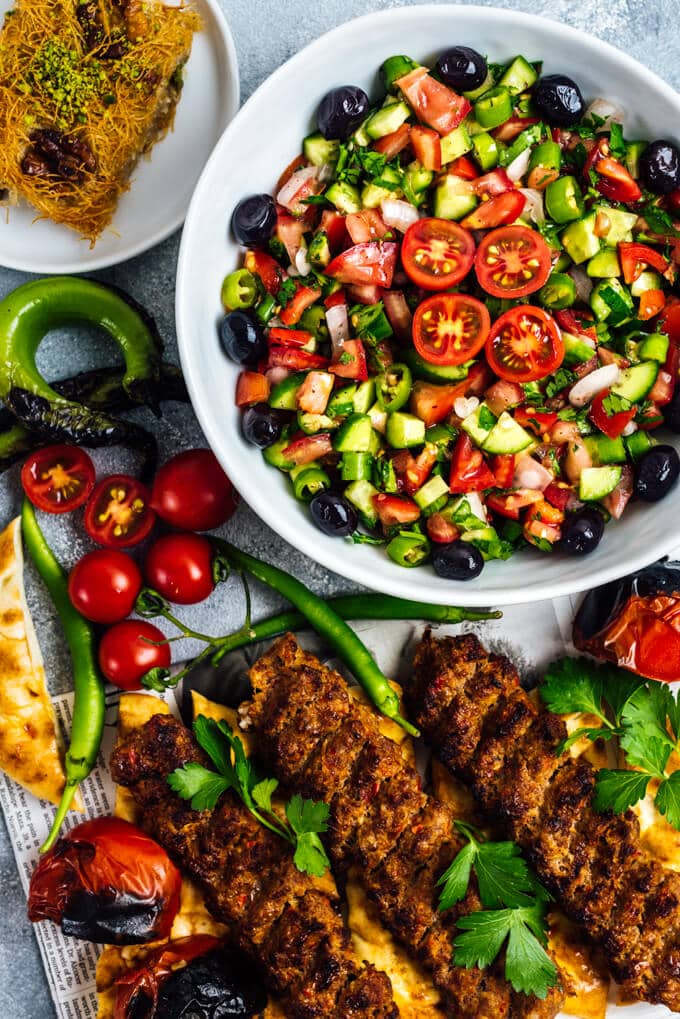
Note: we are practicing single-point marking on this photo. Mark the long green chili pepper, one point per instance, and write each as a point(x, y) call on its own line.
point(329, 625)
point(88, 708)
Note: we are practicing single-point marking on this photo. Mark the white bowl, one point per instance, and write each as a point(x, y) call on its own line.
point(261, 140)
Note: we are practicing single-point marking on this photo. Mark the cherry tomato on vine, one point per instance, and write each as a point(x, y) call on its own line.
point(512, 261)
point(449, 329)
point(58, 478)
point(436, 253)
point(130, 649)
point(180, 568)
point(192, 492)
point(119, 513)
point(524, 344)
point(104, 585)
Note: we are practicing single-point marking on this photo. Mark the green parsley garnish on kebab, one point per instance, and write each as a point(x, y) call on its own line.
point(643, 715)
point(514, 913)
point(304, 819)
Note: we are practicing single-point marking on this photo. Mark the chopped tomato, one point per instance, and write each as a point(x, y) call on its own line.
point(617, 500)
point(463, 168)
point(392, 144)
point(513, 261)
point(266, 267)
point(251, 387)
point(662, 391)
point(314, 393)
point(611, 424)
point(333, 300)
point(333, 225)
point(395, 509)
point(450, 329)
point(652, 302)
point(512, 127)
point(303, 298)
point(511, 504)
point(670, 321)
point(427, 147)
point(559, 495)
point(441, 530)
point(613, 179)
point(294, 165)
point(635, 257)
point(537, 531)
point(305, 448)
point(498, 211)
point(366, 263)
point(399, 314)
point(547, 513)
point(469, 470)
point(503, 467)
point(436, 253)
point(119, 514)
point(492, 184)
point(297, 360)
point(502, 395)
point(352, 362)
point(301, 185)
point(435, 104)
point(577, 322)
point(367, 225)
point(417, 470)
point(538, 422)
point(290, 231)
point(58, 478)
point(650, 418)
point(433, 403)
point(541, 176)
point(290, 337)
point(524, 345)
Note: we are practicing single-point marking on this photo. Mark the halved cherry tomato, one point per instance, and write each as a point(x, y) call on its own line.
point(58, 478)
point(512, 127)
point(436, 253)
point(503, 467)
point(301, 300)
point(394, 509)
point(367, 225)
point(450, 328)
point(539, 422)
point(497, 211)
point(634, 258)
point(366, 263)
point(545, 512)
point(251, 387)
point(434, 103)
point(297, 360)
point(611, 424)
point(266, 267)
point(651, 303)
point(662, 391)
point(290, 337)
point(392, 144)
point(352, 362)
point(524, 345)
point(129, 650)
point(613, 179)
point(119, 513)
point(427, 147)
point(511, 504)
point(469, 470)
point(463, 168)
point(512, 262)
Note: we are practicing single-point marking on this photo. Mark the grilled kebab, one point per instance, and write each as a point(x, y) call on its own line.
point(322, 743)
point(289, 927)
point(485, 728)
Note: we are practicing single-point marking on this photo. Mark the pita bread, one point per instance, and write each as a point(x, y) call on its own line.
point(29, 746)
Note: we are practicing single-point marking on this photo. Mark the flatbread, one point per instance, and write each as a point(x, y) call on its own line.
point(30, 751)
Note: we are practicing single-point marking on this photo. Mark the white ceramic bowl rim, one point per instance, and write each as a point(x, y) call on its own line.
point(347, 561)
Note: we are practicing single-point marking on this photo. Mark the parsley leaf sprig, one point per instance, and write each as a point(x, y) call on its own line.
point(304, 819)
point(642, 714)
point(514, 914)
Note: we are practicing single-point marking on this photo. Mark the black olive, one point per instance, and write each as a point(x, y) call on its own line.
point(660, 167)
point(671, 412)
point(462, 68)
point(214, 986)
point(460, 560)
point(261, 425)
point(582, 531)
point(333, 514)
point(657, 471)
point(341, 111)
point(558, 99)
point(242, 338)
point(253, 220)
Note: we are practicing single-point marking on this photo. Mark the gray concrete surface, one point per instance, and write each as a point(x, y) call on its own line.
point(266, 34)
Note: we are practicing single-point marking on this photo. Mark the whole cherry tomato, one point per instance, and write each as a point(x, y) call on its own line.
point(192, 492)
point(180, 568)
point(130, 649)
point(104, 585)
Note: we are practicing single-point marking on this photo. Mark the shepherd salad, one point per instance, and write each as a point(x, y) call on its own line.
point(457, 317)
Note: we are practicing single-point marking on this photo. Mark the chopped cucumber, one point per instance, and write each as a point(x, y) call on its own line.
point(360, 494)
point(506, 436)
point(635, 382)
point(597, 482)
point(479, 424)
point(604, 265)
point(364, 397)
point(610, 300)
point(580, 240)
point(422, 369)
point(622, 223)
point(273, 454)
point(519, 76)
point(387, 120)
point(646, 281)
point(319, 150)
point(455, 144)
point(453, 198)
point(404, 430)
point(654, 348)
point(417, 180)
point(341, 402)
point(319, 252)
point(486, 150)
point(575, 350)
point(604, 450)
point(431, 492)
point(344, 196)
point(282, 396)
point(486, 86)
point(354, 435)
point(638, 444)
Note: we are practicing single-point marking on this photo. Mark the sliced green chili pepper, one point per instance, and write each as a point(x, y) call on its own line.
point(328, 625)
point(265, 309)
point(408, 549)
point(309, 481)
point(370, 321)
point(493, 108)
point(443, 437)
point(356, 467)
point(393, 387)
point(558, 293)
point(564, 200)
point(547, 156)
point(314, 321)
point(240, 290)
point(89, 705)
point(654, 348)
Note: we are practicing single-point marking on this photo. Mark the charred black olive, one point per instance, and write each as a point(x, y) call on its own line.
point(341, 111)
point(214, 986)
point(660, 167)
point(333, 514)
point(462, 68)
point(558, 99)
point(261, 425)
point(460, 560)
point(242, 338)
point(657, 472)
point(253, 220)
point(582, 531)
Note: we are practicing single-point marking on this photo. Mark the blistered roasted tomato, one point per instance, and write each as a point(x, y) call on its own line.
point(108, 882)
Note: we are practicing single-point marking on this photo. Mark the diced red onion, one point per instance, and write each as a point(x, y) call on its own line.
point(294, 183)
point(398, 313)
point(583, 391)
point(326, 172)
point(464, 407)
point(534, 204)
point(631, 427)
point(608, 111)
point(583, 282)
point(276, 375)
point(338, 327)
point(398, 214)
point(477, 507)
point(302, 263)
point(519, 166)
point(529, 473)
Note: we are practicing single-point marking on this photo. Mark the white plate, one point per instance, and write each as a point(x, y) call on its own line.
point(156, 204)
point(260, 142)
